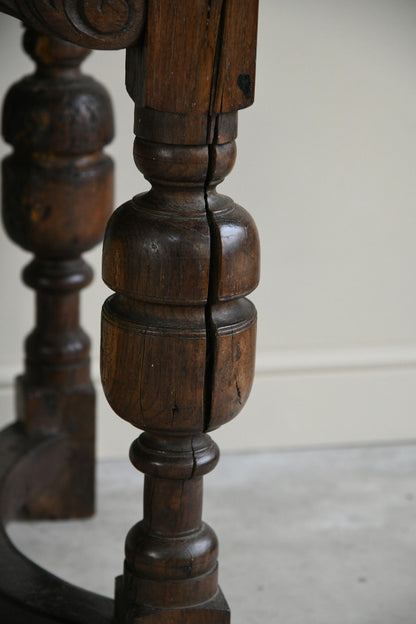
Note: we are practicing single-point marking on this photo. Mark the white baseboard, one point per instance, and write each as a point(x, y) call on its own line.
point(299, 399)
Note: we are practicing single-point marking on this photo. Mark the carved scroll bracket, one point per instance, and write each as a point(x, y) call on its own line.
point(96, 24)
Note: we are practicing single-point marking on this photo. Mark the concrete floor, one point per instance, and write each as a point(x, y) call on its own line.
point(307, 537)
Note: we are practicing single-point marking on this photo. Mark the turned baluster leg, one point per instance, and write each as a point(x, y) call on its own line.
point(57, 196)
point(178, 335)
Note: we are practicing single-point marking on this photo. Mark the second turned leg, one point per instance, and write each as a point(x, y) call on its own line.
point(57, 196)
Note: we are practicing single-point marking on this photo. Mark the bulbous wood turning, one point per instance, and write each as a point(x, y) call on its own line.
point(180, 273)
point(178, 335)
point(57, 196)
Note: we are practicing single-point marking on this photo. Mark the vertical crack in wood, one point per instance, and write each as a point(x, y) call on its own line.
point(211, 141)
point(194, 462)
point(215, 72)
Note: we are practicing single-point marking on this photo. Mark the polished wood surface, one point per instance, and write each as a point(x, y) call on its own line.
point(178, 334)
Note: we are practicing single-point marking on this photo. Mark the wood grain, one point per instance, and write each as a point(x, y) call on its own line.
point(178, 335)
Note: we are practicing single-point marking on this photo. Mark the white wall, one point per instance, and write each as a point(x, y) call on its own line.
point(326, 166)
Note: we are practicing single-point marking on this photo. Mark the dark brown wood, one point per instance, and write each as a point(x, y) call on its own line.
point(199, 56)
point(57, 196)
point(178, 337)
point(99, 24)
point(29, 594)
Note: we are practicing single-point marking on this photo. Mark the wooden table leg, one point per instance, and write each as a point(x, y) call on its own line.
point(57, 196)
point(178, 337)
